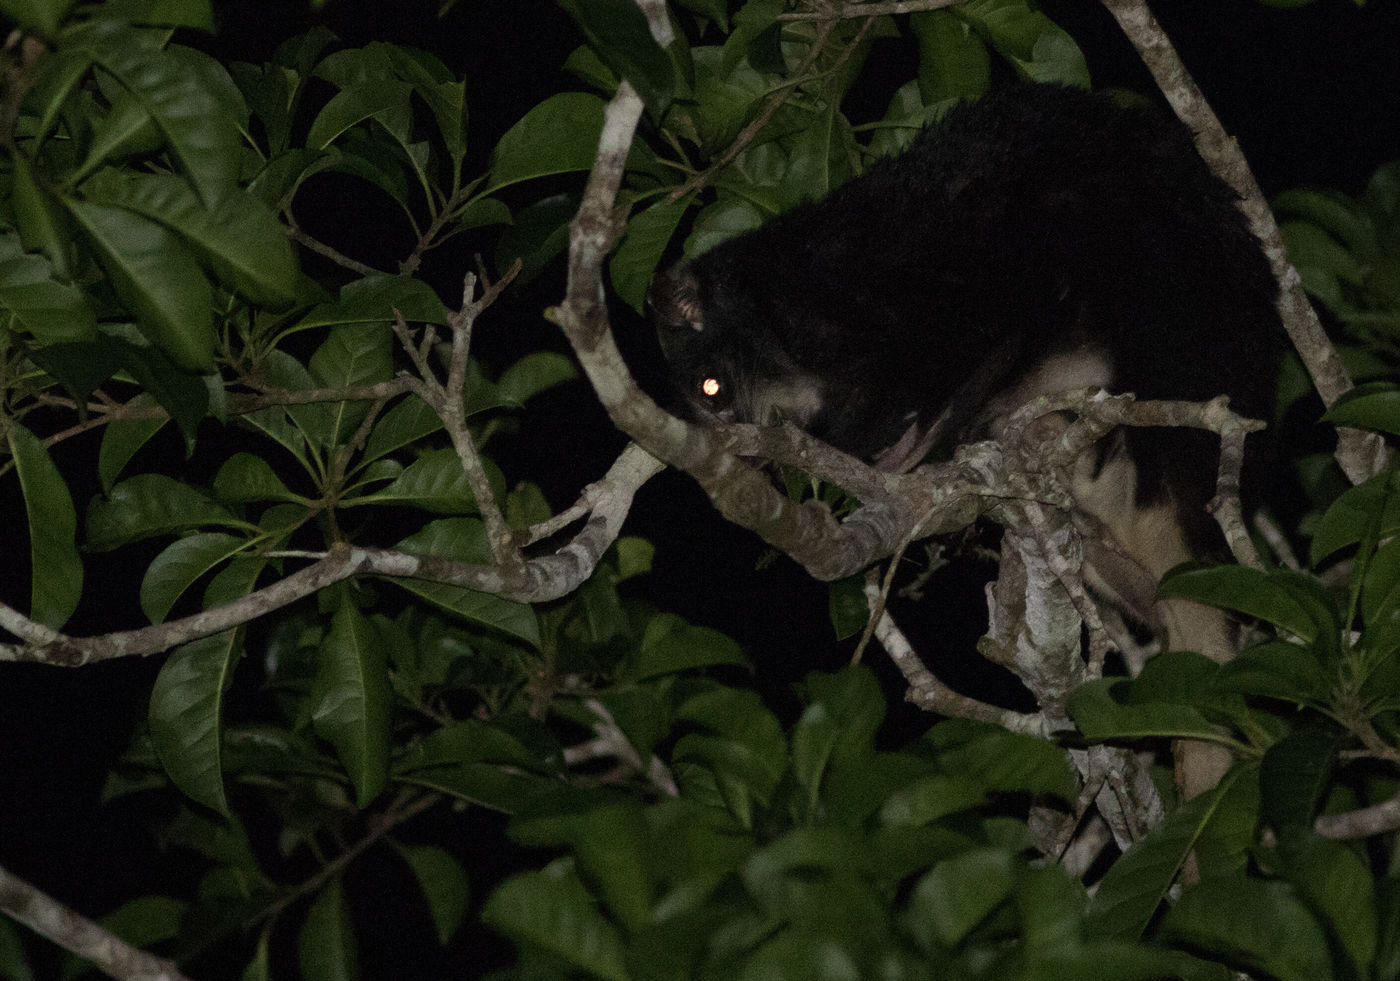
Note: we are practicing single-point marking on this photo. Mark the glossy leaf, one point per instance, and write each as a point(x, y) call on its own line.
point(1135, 886)
point(156, 277)
point(554, 911)
point(1278, 669)
point(957, 893)
point(353, 699)
point(1354, 513)
point(38, 217)
point(239, 239)
point(122, 439)
point(464, 540)
point(374, 299)
point(953, 61)
point(355, 104)
point(1100, 716)
point(634, 264)
point(179, 566)
point(1249, 591)
point(618, 32)
point(147, 505)
point(44, 14)
point(186, 106)
point(1294, 777)
point(408, 421)
point(435, 481)
point(1340, 890)
point(56, 568)
point(670, 645)
point(186, 713)
point(1038, 48)
point(536, 372)
point(33, 300)
point(245, 477)
point(1373, 406)
point(327, 941)
point(444, 886)
point(555, 137)
point(146, 920)
point(538, 234)
point(1003, 761)
point(1279, 937)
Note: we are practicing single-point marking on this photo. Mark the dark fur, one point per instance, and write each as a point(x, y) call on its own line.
point(1035, 221)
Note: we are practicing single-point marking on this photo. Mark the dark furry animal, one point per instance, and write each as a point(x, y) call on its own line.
point(1040, 239)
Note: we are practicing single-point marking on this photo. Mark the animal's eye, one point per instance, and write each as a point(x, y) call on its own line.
point(710, 387)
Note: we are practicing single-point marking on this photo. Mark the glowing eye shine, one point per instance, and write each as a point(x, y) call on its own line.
point(710, 386)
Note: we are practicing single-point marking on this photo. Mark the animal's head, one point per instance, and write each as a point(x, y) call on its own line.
point(726, 357)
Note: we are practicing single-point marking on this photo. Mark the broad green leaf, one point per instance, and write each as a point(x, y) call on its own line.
point(165, 13)
point(1003, 761)
point(186, 712)
point(185, 396)
point(435, 481)
point(742, 746)
point(354, 355)
point(633, 264)
point(239, 239)
point(191, 110)
point(147, 505)
point(958, 893)
point(155, 276)
point(259, 967)
point(553, 910)
point(1099, 716)
point(1128, 896)
point(179, 566)
point(56, 568)
point(353, 699)
point(618, 33)
point(327, 942)
point(146, 920)
point(245, 477)
point(44, 14)
point(370, 99)
point(721, 221)
point(1339, 889)
point(538, 233)
point(1277, 669)
point(930, 798)
point(670, 645)
point(557, 136)
point(444, 886)
point(474, 741)
point(464, 540)
point(1354, 513)
point(953, 61)
point(1278, 937)
point(1294, 777)
point(374, 299)
point(40, 222)
point(408, 421)
point(123, 438)
point(1372, 406)
point(534, 373)
point(1038, 49)
point(127, 130)
point(1249, 591)
point(485, 784)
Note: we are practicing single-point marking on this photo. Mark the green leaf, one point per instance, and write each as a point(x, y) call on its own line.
point(39, 220)
point(552, 910)
point(555, 137)
point(369, 99)
point(327, 941)
point(147, 505)
point(33, 300)
point(1294, 777)
point(146, 920)
point(190, 108)
point(742, 746)
point(930, 798)
point(1129, 894)
point(354, 355)
point(670, 645)
point(618, 33)
point(1277, 669)
point(1340, 890)
point(538, 234)
point(374, 299)
point(474, 741)
point(1003, 761)
point(353, 699)
point(43, 14)
point(177, 568)
point(1279, 937)
point(1353, 514)
point(953, 61)
point(245, 477)
point(155, 276)
point(1372, 406)
point(123, 438)
point(534, 373)
point(633, 265)
point(186, 714)
point(1038, 48)
point(1100, 716)
point(56, 568)
point(444, 886)
point(164, 13)
point(239, 240)
point(403, 424)
point(957, 894)
point(435, 481)
point(1249, 591)
point(464, 540)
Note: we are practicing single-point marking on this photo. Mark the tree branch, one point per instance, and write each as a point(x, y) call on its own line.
point(72, 931)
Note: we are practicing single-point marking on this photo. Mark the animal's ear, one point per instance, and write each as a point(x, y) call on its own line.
point(675, 296)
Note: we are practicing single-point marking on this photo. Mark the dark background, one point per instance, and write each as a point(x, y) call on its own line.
point(1313, 95)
